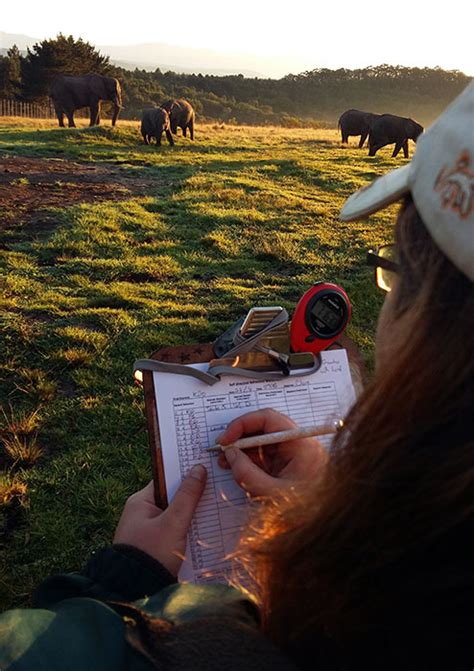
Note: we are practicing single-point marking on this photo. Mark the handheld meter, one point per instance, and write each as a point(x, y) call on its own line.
point(320, 317)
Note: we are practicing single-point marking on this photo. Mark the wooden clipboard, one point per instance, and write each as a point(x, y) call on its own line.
point(184, 354)
point(201, 353)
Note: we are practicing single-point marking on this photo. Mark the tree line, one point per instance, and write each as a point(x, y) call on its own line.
point(313, 98)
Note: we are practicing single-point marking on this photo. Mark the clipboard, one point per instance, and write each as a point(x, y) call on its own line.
point(183, 354)
point(202, 353)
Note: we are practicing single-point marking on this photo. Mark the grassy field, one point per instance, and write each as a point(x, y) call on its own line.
point(169, 245)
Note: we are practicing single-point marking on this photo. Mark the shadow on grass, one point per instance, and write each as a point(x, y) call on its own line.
point(94, 426)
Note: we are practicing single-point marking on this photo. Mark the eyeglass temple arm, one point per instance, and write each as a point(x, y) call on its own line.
point(375, 260)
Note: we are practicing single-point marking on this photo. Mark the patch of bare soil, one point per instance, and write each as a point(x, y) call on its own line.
point(30, 186)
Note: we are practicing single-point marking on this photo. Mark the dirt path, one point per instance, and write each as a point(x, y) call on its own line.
point(29, 186)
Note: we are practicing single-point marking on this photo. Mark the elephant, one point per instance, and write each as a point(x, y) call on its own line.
point(181, 114)
point(355, 122)
point(155, 122)
point(70, 93)
point(389, 129)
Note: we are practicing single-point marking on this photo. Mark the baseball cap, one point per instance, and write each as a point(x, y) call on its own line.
point(440, 178)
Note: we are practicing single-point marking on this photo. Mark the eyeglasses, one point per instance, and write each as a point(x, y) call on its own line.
point(384, 260)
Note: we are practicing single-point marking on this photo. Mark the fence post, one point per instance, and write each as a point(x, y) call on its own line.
point(32, 110)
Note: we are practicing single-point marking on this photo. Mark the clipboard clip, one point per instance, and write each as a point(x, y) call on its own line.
point(256, 346)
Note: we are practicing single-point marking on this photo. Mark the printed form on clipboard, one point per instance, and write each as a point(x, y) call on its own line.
point(192, 415)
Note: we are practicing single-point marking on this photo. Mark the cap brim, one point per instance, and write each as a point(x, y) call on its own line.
point(382, 192)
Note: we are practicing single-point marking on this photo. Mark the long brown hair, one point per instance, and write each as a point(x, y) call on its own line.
point(372, 566)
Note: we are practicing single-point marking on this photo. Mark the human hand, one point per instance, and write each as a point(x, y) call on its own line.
point(162, 533)
point(267, 470)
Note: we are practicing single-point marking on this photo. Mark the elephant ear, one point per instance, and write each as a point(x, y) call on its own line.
point(112, 87)
point(96, 85)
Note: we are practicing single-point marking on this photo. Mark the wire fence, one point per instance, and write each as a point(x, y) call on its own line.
point(10, 107)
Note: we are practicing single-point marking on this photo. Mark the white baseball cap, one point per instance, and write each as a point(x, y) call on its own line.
point(440, 179)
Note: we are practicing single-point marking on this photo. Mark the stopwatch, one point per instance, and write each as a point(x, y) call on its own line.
point(320, 317)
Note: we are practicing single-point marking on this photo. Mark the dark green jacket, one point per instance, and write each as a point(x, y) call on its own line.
point(126, 612)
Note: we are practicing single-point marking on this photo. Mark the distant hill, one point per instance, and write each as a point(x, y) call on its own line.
point(166, 67)
point(163, 56)
point(7, 40)
point(167, 57)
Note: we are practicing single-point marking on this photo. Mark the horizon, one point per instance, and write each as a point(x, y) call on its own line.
point(276, 43)
point(152, 64)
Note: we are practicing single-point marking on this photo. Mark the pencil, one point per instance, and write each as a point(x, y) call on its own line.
point(279, 436)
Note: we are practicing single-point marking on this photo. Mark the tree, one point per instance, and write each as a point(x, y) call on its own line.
point(10, 73)
point(13, 72)
point(63, 55)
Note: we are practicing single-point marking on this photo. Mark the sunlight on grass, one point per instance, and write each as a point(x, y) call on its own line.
point(19, 422)
point(22, 450)
point(11, 490)
point(239, 217)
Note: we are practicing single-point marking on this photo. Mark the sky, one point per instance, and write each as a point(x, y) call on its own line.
point(283, 36)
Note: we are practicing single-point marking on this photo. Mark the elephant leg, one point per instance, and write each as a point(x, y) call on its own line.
point(158, 138)
point(191, 129)
point(97, 120)
point(184, 131)
point(397, 148)
point(94, 111)
point(405, 148)
point(363, 138)
point(115, 114)
point(70, 119)
point(169, 136)
point(60, 115)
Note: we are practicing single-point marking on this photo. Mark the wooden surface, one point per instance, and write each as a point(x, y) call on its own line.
point(184, 354)
point(201, 353)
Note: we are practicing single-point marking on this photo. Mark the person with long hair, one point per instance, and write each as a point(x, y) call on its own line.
point(360, 559)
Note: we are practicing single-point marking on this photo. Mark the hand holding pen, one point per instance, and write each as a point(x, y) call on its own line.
point(265, 470)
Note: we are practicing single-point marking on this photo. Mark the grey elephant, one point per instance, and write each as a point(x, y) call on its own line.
point(155, 122)
point(181, 114)
point(356, 122)
point(389, 129)
point(70, 93)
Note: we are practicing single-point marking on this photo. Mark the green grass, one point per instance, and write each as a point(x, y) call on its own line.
point(240, 217)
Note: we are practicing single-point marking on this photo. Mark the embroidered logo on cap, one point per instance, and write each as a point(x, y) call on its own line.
point(456, 186)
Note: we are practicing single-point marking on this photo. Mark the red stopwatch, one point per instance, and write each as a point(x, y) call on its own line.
point(320, 317)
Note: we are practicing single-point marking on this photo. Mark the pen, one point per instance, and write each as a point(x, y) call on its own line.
point(280, 436)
